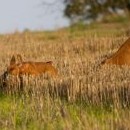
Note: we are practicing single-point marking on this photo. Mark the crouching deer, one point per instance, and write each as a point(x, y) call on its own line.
point(30, 67)
point(18, 68)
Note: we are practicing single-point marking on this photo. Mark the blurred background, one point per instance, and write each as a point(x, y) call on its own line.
point(21, 15)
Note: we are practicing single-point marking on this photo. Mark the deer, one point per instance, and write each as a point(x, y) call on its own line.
point(121, 56)
point(30, 67)
point(18, 68)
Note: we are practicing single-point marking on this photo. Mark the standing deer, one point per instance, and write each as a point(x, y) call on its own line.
point(122, 56)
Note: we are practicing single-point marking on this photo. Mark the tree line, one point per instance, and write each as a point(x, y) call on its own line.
point(85, 9)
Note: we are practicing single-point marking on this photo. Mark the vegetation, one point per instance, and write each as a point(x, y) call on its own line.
point(84, 96)
point(82, 10)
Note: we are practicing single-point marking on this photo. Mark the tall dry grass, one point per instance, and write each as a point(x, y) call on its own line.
point(81, 80)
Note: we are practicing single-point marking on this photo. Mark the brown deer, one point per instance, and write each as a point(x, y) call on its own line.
point(18, 68)
point(30, 67)
point(121, 57)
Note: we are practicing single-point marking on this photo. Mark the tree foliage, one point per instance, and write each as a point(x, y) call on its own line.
point(84, 9)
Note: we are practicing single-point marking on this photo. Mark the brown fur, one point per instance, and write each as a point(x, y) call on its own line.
point(18, 68)
point(30, 68)
point(122, 56)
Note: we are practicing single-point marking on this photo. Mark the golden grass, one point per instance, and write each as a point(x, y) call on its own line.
point(77, 55)
point(77, 61)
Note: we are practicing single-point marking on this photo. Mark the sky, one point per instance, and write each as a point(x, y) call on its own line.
point(18, 15)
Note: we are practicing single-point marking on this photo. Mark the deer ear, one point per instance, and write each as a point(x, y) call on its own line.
point(19, 58)
point(13, 60)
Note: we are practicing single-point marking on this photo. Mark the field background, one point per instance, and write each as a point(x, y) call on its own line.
point(84, 96)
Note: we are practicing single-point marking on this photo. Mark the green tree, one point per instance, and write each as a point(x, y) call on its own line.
point(85, 9)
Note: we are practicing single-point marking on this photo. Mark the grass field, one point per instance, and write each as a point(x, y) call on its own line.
point(84, 96)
